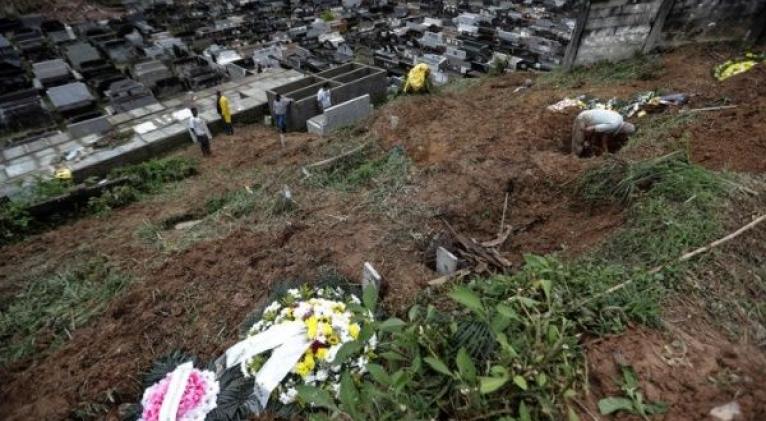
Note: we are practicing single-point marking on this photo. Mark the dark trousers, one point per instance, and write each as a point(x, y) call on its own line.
point(228, 128)
point(281, 121)
point(204, 144)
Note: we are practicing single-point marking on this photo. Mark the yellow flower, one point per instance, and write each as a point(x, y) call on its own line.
point(325, 328)
point(333, 339)
point(353, 330)
point(311, 327)
point(302, 369)
point(321, 353)
point(339, 308)
point(308, 360)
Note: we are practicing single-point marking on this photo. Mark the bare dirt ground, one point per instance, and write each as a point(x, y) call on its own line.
point(465, 147)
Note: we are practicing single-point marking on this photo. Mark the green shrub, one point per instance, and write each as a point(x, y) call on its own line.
point(113, 198)
point(47, 188)
point(150, 176)
point(327, 16)
point(15, 222)
point(498, 67)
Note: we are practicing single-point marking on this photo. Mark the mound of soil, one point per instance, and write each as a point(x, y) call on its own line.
point(735, 139)
point(693, 370)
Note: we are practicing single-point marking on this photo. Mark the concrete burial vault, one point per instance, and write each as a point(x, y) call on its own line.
point(145, 131)
point(346, 82)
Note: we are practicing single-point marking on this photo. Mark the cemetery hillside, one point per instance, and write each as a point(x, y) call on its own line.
point(390, 211)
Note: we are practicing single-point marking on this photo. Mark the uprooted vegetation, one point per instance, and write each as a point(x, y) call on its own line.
point(44, 315)
point(594, 244)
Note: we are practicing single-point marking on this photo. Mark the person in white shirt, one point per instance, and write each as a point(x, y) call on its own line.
point(595, 129)
point(199, 132)
point(279, 108)
point(323, 97)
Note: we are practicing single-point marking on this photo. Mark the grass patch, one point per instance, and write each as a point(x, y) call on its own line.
point(674, 207)
point(652, 137)
point(218, 215)
point(460, 85)
point(670, 176)
point(236, 203)
point(43, 315)
point(640, 67)
point(360, 170)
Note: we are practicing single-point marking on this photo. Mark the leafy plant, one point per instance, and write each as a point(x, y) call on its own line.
point(47, 188)
point(533, 365)
point(150, 176)
point(498, 67)
point(633, 401)
point(15, 222)
point(113, 198)
point(327, 16)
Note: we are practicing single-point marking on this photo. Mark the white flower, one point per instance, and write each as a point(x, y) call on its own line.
point(341, 321)
point(288, 396)
point(361, 362)
point(302, 310)
point(331, 306)
point(373, 342)
point(273, 307)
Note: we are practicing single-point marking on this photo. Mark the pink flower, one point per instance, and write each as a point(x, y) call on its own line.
point(198, 399)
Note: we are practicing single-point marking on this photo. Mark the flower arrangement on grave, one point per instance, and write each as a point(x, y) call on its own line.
point(184, 394)
point(298, 340)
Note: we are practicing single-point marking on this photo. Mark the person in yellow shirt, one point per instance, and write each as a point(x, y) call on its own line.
point(225, 112)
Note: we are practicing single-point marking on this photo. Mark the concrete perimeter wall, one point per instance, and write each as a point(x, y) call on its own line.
point(617, 29)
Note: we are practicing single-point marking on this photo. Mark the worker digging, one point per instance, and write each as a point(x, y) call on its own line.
point(596, 132)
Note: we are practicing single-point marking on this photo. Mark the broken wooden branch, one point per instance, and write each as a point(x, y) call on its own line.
point(723, 240)
point(501, 238)
point(328, 161)
point(683, 258)
point(444, 279)
point(505, 208)
point(478, 254)
point(700, 110)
